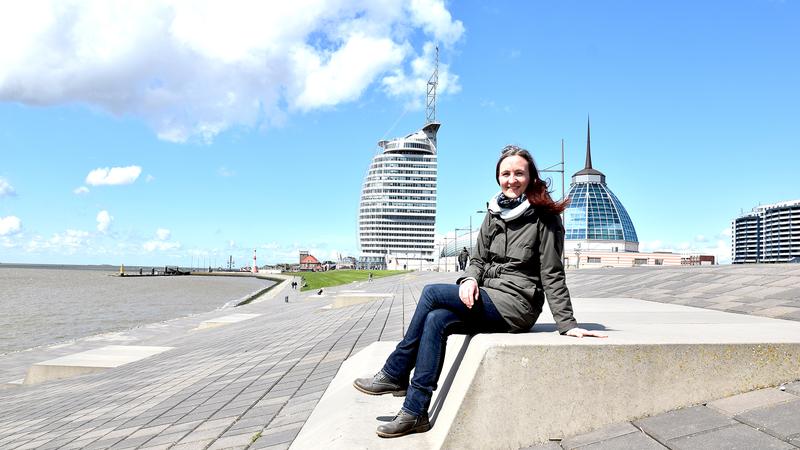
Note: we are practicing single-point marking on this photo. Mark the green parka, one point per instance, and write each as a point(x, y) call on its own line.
point(517, 262)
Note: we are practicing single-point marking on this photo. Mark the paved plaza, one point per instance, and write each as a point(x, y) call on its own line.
point(253, 383)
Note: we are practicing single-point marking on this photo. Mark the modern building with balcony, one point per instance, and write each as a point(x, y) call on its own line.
point(767, 234)
point(397, 213)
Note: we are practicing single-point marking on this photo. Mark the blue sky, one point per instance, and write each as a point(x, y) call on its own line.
point(250, 125)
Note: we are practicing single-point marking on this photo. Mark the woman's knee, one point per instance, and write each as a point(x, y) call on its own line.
point(434, 294)
point(437, 320)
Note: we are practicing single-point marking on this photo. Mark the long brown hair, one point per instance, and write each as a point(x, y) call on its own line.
point(537, 192)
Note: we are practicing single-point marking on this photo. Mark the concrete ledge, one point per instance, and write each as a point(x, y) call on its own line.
point(354, 298)
point(90, 361)
point(225, 320)
point(346, 419)
point(512, 391)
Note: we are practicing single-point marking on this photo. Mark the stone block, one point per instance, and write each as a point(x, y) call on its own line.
point(90, 361)
point(658, 357)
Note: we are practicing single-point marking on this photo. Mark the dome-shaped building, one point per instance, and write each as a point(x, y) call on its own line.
point(595, 219)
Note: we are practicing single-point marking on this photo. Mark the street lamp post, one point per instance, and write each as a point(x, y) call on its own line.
point(444, 252)
point(480, 211)
point(561, 170)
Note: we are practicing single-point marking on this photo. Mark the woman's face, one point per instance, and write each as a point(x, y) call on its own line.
point(514, 176)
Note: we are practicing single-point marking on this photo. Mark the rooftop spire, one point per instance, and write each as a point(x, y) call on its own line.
point(588, 145)
point(433, 82)
point(596, 175)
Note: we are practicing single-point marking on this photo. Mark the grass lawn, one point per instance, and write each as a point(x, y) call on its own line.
point(316, 280)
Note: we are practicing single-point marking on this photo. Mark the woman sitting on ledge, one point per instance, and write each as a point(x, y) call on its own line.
point(517, 260)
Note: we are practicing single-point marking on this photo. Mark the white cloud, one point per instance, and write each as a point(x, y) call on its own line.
point(149, 178)
point(700, 238)
point(726, 232)
point(402, 84)
point(70, 238)
point(225, 172)
point(6, 189)
point(163, 234)
point(151, 246)
point(193, 69)
point(112, 176)
point(67, 242)
point(104, 220)
point(10, 225)
point(652, 246)
point(80, 190)
point(345, 74)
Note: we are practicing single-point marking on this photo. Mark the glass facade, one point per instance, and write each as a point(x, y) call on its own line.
point(595, 213)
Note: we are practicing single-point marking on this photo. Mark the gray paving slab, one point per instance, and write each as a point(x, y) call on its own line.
point(793, 388)
point(602, 434)
point(738, 404)
point(683, 422)
point(630, 441)
point(781, 421)
point(735, 437)
point(545, 446)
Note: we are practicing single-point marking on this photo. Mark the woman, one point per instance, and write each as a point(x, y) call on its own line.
point(517, 260)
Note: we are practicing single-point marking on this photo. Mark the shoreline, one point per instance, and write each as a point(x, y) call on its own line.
point(253, 296)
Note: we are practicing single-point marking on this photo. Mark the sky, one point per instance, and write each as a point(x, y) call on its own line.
point(182, 133)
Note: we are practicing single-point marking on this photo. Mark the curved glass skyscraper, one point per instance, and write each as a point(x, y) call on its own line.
point(397, 213)
point(595, 218)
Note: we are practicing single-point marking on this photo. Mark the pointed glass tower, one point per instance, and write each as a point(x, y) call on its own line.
point(595, 218)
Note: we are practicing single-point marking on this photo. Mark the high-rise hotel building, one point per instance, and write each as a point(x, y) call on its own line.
point(397, 213)
point(767, 234)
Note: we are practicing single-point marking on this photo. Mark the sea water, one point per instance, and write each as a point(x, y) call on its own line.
point(41, 305)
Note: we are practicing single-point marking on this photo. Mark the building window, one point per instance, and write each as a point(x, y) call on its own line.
point(659, 262)
point(640, 261)
point(593, 259)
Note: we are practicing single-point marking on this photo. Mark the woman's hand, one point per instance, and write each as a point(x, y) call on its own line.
point(580, 332)
point(468, 292)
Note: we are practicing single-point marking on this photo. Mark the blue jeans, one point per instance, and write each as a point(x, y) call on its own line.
point(439, 314)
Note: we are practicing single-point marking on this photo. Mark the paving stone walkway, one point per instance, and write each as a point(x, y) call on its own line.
point(253, 384)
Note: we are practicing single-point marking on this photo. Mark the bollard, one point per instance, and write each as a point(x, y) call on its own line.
point(286, 299)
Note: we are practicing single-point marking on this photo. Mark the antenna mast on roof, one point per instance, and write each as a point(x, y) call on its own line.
point(433, 81)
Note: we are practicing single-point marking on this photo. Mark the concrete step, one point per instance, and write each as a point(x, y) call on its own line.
point(225, 320)
point(90, 361)
point(510, 391)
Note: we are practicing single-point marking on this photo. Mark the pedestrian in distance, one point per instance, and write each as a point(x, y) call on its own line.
point(517, 262)
point(463, 256)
